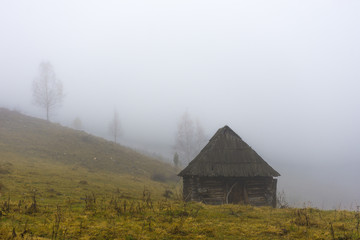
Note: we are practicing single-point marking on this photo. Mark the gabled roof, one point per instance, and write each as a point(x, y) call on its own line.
point(227, 155)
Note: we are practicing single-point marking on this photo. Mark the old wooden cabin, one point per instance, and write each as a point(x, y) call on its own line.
point(228, 170)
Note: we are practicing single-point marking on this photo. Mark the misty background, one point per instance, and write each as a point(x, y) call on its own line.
point(284, 75)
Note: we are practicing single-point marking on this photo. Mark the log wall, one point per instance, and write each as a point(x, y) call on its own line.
point(257, 191)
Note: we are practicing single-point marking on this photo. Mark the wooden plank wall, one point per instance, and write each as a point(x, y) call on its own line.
point(257, 191)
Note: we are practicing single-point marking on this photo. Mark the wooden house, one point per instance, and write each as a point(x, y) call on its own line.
point(228, 170)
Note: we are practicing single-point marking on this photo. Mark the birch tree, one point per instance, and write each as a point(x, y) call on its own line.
point(190, 139)
point(114, 126)
point(77, 124)
point(176, 160)
point(47, 89)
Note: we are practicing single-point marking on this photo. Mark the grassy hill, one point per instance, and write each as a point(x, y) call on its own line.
point(58, 163)
point(58, 183)
point(35, 138)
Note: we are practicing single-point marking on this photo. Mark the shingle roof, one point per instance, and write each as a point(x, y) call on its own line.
point(228, 155)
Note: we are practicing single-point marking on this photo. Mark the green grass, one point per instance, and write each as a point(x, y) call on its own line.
point(113, 215)
point(52, 187)
point(78, 195)
point(35, 138)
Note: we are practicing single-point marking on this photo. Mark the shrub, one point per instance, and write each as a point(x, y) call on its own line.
point(159, 177)
point(83, 182)
point(168, 194)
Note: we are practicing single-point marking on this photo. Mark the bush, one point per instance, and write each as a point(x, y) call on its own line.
point(159, 177)
point(168, 194)
point(5, 169)
point(83, 182)
point(281, 200)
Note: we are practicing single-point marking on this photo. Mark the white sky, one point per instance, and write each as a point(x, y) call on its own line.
point(284, 75)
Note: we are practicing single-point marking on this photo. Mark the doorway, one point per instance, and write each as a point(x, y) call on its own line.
point(237, 193)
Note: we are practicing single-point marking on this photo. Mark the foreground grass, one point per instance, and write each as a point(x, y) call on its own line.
point(41, 199)
point(100, 217)
point(48, 200)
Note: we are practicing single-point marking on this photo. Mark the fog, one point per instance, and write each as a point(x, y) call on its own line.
point(284, 75)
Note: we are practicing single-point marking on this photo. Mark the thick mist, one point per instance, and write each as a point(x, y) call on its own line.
point(284, 75)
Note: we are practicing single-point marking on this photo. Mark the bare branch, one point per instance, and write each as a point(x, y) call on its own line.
point(47, 89)
point(190, 139)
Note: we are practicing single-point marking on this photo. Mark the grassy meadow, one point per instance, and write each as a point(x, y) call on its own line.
point(58, 183)
point(62, 202)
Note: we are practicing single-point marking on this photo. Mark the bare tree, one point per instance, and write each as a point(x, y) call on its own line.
point(200, 137)
point(176, 160)
point(47, 89)
point(190, 139)
point(114, 127)
point(77, 124)
point(184, 143)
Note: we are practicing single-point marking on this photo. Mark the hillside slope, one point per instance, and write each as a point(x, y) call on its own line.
point(36, 138)
point(58, 183)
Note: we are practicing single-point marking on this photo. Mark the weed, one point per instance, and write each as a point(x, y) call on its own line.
point(56, 225)
point(168, 193)
point(357, 217)
point(33, 207)
point(90, 201)
point(281, 200)
point(302, 217)
point(147, 198)
point(26, 230)
point(332, 231)
point(13, 234)
point(6, 205)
